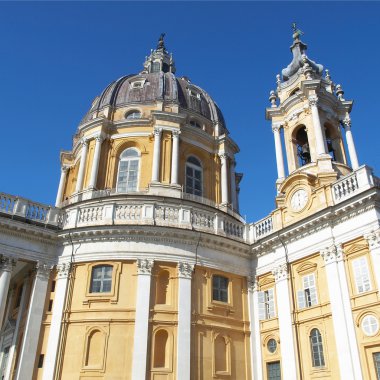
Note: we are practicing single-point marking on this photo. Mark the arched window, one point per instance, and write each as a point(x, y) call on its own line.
point(316, 348)
point(101, 279)
point(330, 143)
point(161, 349)
point(303, 148)
point(220, 288)
point(127, 176)
point(193, 176)
point(131, 115)
point(162, 287)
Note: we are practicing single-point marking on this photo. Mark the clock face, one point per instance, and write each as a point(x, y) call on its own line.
point(299, 200)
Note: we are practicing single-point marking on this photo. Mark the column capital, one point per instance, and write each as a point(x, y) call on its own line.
point(332, 254)
point(144, 266)
point(347, 122)
point(176, 133)
point(84, 142)
point(373, 239)
point(63, 270)
point(7, 263)
point(313, 100)
point(280, 272)
point(43, 270)
point(185, 270)
point(99, 138)
point(252, 283)
point(223, 156)
point(157, 132)
point(65, 168)
point(276, 127)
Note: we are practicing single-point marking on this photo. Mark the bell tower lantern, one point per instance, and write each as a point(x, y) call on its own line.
point(309, 117)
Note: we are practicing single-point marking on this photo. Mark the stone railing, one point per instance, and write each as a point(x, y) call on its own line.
point(260, 229)
point(158, 213)
point(21, 208)
point(353, 183)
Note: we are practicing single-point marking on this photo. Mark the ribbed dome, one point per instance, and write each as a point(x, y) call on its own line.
point(147, 88)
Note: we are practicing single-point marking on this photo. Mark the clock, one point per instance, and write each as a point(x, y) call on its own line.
point(299, 199)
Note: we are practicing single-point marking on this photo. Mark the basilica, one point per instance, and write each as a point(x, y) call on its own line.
point(145, 270)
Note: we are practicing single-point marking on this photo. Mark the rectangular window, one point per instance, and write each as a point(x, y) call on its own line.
point(274, 371)
point(41, 361)
point(307, 296)
point(361, 275)
point(50, 307)
point(266, 304)
point(220, 288)
point(101, 279)
point(376, 359)
point(52, 286)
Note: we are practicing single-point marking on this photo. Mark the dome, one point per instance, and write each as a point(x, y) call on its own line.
point(146, 88)
point(156, 82)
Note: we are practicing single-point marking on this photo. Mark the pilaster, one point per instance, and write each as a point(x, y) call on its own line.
point(373, 240)
point(6, 267)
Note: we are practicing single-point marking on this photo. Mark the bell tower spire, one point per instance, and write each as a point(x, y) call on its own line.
point(309, 111)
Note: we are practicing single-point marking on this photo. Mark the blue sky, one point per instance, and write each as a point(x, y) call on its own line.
point(57, 56)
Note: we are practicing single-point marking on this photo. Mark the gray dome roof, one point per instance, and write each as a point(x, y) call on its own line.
point(162, 86)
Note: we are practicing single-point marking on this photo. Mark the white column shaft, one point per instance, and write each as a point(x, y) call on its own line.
point(61, 187)
point(12, 349)
point(55, 327)
point(184, 329)
point(321, 146)
point(95, 163)
point(351, 148)
point(256, 362)
point(5, 278)
point(224, 179)
point(175, 158)
point(140, 344)
point(339, 322)
point(233, 187)
point(288, 357)
point(156, 156)
point(279, 154)
point(82, 167)
point(32, 329)
point(375, 256)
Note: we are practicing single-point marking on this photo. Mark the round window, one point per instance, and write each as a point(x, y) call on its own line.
point(370, 325)
point(272, 345)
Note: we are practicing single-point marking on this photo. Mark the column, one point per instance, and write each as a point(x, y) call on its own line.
point(29, 346)
point(373, 240)
point(284, 310)
point(12, 350)
point(6, 267)
point(95, 162)
point(224, 179)
point(350, 143)
point(233, 186)
point(175, 157)
point(140, 343)
point(345, 338)
point(82, 166)
point(61, 186)
point(185, 271)
point(276, 128)
point(156, 155)
point(63, 271)
point(253, 300)
point(320, 142)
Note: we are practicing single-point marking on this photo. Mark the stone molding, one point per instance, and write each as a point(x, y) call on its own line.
point(280, 272)
point(144, 266)
point(185, 270)
point(7, 263)
point(63, 270)
point(373, 239)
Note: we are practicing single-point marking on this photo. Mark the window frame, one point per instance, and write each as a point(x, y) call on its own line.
point(129, 159)
point(128, 115)
point(219, 290)
point(102, 280)
point(194, 167)
point(268, 364)
point(320, 362)
point(307, 296)
point(267, 305)
point(358, 277)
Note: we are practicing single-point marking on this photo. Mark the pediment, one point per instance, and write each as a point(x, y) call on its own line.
point(356, 248)
point(266, 281)
point(306, 267)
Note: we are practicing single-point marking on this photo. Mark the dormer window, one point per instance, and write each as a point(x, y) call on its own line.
point(137, 85)
point(193, 123)
point(155, 67)
point(131, 115)
point(194, 94)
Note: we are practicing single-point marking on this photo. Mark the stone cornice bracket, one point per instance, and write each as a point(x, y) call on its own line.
point(185, 270)
point(252, 283)
point(7, 263)
point(313, 100)
point(276, 127)
point(43, 270)
point(63, 270)
point(280, 272)
point(373, 239)
point(144, 266)
point(332, 254)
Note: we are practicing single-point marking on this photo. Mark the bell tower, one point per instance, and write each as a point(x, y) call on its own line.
point(310, 117)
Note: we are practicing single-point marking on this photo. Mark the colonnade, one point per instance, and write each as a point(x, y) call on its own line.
point(228, 193)
point(320, 144)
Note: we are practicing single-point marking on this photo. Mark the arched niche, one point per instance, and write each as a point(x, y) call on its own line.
point(301, 146)
point(163, 288)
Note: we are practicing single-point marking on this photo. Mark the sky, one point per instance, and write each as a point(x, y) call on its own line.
point(57, 56)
